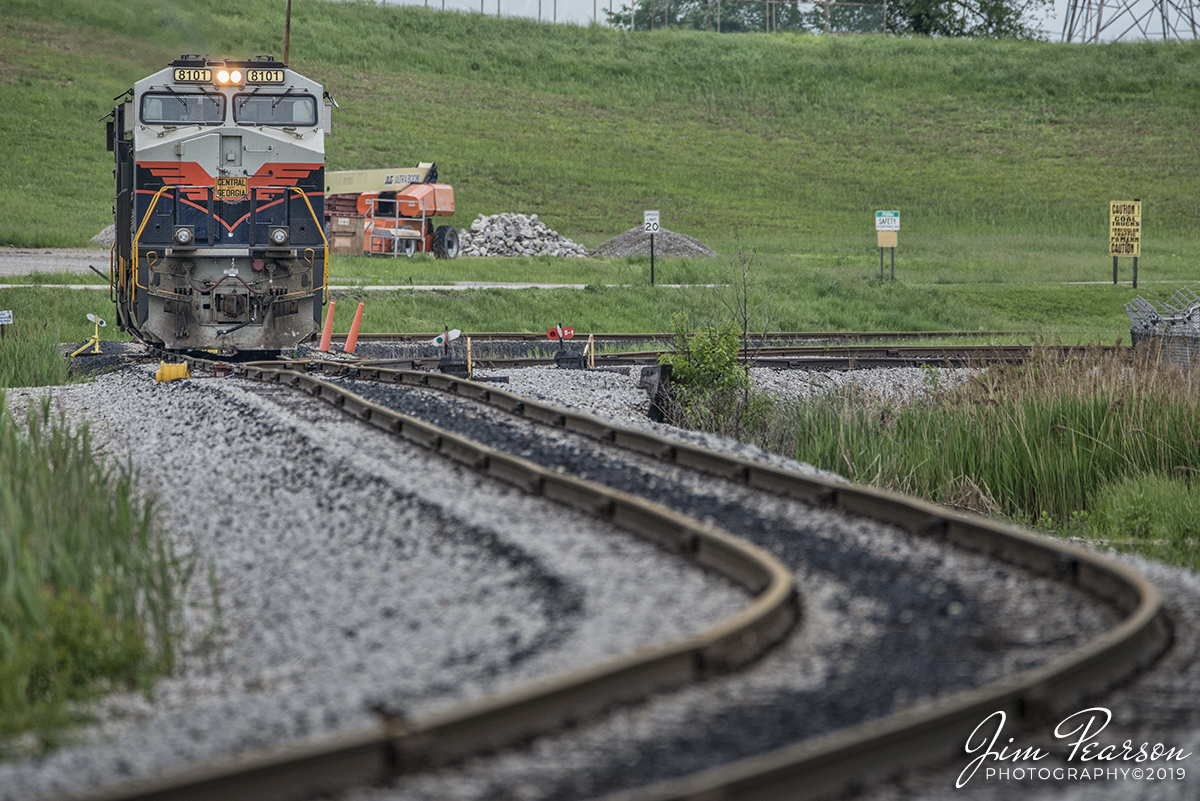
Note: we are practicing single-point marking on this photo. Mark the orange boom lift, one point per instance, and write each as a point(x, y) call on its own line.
point(390, 212)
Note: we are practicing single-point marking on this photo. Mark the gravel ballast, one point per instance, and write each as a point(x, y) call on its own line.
point(355, 570)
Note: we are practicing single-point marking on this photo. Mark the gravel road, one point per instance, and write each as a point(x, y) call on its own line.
point(25, 261)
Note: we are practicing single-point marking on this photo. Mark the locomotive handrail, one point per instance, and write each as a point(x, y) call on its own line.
point(321, 229)
point(138, 236)
point(112, 273)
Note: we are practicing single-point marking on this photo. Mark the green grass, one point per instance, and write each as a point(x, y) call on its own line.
point(811, 300)
point(38, 277)
point(1155, 516)
point(88, 588)
point(42, 318)
point(29, 357)
point(802, 299)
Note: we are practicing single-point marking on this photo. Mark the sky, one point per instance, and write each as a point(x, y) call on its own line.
point(581, 12)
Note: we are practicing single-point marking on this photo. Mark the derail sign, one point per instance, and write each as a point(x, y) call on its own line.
point(1125, 228)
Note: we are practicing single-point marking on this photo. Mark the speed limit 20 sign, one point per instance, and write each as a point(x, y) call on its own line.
point(650, 221)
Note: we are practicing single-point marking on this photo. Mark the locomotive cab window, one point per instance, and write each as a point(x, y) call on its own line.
point(298, 111)
point(178, 108)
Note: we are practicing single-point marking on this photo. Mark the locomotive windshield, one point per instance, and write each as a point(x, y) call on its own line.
point(260, 109)
point(177, 107)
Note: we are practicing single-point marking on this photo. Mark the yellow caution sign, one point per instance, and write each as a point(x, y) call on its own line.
point(1125, 228)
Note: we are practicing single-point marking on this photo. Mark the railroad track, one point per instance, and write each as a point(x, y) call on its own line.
point(830, 764)
point(813, 768)
point(781, 357)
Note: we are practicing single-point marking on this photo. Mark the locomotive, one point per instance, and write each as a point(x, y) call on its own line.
point(220, 178)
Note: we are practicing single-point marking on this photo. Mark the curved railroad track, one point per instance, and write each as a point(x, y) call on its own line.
point(816, 766)
point(829, 764)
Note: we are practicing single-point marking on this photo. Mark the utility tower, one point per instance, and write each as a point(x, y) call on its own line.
point(1104, 20)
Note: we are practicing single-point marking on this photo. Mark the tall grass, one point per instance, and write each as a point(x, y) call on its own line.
point(29, 357)
point(89, 590)
point(1041, 443)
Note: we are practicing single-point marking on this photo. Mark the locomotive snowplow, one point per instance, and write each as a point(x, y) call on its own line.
point(390, 212)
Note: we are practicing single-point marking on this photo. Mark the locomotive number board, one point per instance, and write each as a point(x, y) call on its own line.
point(264, 76)
point(192, 75)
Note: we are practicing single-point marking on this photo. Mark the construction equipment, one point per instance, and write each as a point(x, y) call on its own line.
point(389, 212)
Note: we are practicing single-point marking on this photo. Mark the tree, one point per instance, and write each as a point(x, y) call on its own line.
point(734, 17)
point(990, 19)
point(980, 19)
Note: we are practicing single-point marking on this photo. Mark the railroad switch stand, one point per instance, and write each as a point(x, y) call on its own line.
point(94, 340)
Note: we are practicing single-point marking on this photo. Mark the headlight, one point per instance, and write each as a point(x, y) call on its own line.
point(229, 77)
point(279, 236)
point(184, 235)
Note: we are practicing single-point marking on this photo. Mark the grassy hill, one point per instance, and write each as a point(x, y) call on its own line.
point(1001, 156)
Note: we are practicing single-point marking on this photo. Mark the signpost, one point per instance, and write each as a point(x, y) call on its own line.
point(887, 231)
point(1125, 233)
point(650, 225)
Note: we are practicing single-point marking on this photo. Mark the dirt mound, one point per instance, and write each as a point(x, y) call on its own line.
point(636, 242)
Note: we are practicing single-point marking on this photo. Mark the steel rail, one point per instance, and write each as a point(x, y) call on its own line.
point(912, 351)
point(829, 765)
point(526, 336)
point(397, 746)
